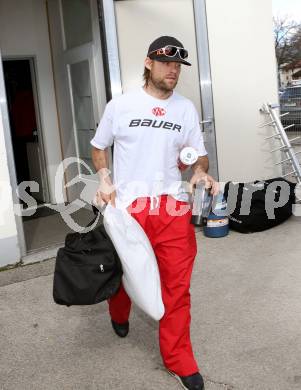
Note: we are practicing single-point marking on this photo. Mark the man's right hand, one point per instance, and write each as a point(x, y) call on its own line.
point(104, 195)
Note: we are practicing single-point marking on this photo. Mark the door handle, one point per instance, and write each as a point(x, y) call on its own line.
point(205, 122)
point(35, 135)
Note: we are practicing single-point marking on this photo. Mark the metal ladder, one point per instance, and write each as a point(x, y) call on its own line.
point(280, 134)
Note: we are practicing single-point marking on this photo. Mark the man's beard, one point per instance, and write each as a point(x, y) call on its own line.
point(161, 84)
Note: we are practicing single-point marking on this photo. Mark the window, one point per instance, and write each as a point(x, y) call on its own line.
point(77, 22)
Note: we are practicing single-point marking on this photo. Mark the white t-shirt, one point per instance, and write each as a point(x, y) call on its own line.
point(148, 135)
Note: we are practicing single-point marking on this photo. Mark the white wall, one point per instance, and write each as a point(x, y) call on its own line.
point(9, 250)
point(24, 32)
point(244, 76)
point(7, 220)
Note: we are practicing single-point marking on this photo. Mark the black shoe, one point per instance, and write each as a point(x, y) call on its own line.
point(121, 329)
point(190, 382)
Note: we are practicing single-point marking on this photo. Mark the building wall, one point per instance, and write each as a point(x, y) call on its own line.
point(286, 77)
point(24, 32)
point(9, 249)
point(244, 76)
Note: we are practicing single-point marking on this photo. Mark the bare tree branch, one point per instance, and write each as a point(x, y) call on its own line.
point(287, 35)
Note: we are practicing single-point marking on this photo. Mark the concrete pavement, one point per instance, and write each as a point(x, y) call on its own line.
point(246, 316)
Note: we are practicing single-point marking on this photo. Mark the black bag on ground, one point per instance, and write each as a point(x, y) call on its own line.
point(87, 268)
point(263, 213)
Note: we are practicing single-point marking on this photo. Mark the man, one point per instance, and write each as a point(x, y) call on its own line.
point(149, 127)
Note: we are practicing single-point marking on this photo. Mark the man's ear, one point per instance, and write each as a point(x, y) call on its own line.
point(148, 63)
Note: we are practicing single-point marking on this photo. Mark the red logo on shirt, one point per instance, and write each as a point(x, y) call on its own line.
point(158, 111)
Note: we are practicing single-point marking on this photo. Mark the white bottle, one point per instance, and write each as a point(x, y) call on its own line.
point(188, 156)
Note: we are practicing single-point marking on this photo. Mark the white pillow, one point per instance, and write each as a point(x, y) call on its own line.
point(141, 277)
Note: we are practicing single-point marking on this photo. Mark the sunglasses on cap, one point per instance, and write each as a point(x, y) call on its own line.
point(171, 51)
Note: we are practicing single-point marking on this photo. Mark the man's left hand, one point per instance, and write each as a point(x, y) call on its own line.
point(207, 179)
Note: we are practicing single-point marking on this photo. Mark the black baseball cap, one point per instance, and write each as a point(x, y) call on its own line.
point(161, 42)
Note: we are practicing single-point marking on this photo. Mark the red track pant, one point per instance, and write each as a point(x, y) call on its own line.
point(173, 240)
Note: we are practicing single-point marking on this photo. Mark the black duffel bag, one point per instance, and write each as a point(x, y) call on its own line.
point(87, 268)
point(262, 214)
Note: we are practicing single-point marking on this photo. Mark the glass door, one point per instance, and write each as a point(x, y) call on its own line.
point(78, 70)
point(83, 113)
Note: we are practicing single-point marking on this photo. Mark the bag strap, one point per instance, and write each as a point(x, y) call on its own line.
point(97, 211)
